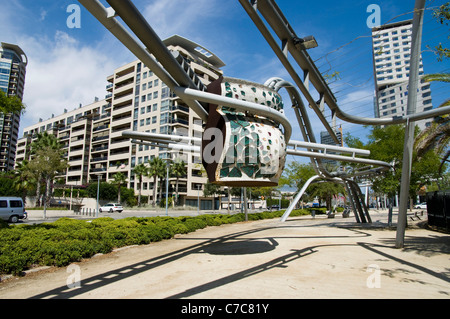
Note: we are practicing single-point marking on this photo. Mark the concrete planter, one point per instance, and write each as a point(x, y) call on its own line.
point(252, 148)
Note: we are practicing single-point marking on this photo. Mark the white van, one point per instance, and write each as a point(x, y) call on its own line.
point(12, 209)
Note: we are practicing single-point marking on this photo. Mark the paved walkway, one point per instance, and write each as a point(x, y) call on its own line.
point(302, 258)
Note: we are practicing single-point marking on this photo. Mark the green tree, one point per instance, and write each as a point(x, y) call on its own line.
point(156, 169)
point(437, 136)
point(24, 180)
point(119, 179)
point(296, 175)
point(107, 191)
point(43, 142)
point(48, 162)
point(140, 171)
point(7, 185)
point(386, 144)
point(11, 104)
point(178, 169)
point(442, 15)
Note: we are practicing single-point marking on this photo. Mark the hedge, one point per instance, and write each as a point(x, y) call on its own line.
point(69, 240)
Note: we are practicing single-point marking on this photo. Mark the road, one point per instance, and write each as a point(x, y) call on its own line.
point(36, 217)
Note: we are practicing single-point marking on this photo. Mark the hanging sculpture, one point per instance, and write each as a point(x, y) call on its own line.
point(243, 148)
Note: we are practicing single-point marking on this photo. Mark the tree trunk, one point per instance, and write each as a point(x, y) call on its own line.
point(176, 191)
point(154, 190)
point(38, 194)
point(48, 190)
point(161, 182)
point(140, 189)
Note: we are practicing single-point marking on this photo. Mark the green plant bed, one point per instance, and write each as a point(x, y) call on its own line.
point(68, 240)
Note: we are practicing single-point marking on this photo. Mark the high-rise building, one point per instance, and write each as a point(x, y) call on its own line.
point(13, 62)
point(136, 100)
point(391, 55)
point(325, 138)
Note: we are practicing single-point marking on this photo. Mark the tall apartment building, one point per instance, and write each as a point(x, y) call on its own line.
point(325, 138)
point(391, 55)
point(136, 100)
point(13, 62)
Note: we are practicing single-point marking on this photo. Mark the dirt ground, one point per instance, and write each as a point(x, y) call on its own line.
point(302, 258)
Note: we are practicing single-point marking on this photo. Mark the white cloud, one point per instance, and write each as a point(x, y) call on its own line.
point(43, 15)
point(180, 16)
point(61, 74)
point(357, 102)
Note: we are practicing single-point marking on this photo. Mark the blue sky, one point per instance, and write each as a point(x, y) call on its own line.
point(69, 66)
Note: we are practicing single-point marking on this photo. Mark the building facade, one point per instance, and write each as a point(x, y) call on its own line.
point(325, 138)
point(13, 62)
point(391, 55)
point(136, 100)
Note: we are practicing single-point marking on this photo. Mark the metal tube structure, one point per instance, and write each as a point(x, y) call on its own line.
point(137, 23)
point(106, 17)
point(243, 106)
point(409, 130)
point(280, 25)
point(168, 69)
point(298, 197)
point(251, 11)
point(167, 188)
point(166, 140)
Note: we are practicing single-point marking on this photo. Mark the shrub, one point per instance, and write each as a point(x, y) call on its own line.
point(68, 240)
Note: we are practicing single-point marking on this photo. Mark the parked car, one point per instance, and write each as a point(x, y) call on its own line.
point(421, 206)
point(111, 207)
point(12, 209)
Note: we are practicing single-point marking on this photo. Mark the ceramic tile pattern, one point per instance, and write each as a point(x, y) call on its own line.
point(256, 148)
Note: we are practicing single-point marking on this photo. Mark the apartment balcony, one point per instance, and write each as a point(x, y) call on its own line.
point(179, 121)
point(119, 157)
point(100, 138)
point(76, 162)
point(179, 108)
point(123, 100)
point(117, 132)
point(116, 144)
point(124, 76)
point(99, 159)
point(125, 89)
point(101, 128)
point(103, 116)
point(98, 170)
point(100, 149)
point(77, 142)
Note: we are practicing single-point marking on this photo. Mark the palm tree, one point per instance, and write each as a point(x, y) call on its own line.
point(156, 169)
point(140, 171)
point(46, 146)
point(23, 178)
point(437, 136)
point(119, 180)
point(178, 169)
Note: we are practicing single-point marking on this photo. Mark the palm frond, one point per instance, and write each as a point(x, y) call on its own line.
point(441, 77)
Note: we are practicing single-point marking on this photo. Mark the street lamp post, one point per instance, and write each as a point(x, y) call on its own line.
point(98, 193)
point(167, 187)
point(198, 199)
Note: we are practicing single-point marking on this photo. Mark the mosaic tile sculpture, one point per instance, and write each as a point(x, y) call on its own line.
point(253, 150)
